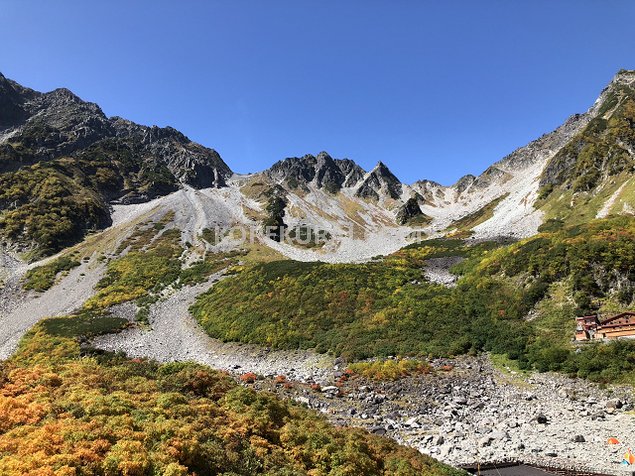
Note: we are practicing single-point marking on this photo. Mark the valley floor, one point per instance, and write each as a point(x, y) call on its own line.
point(174, 335)
point(476, 412)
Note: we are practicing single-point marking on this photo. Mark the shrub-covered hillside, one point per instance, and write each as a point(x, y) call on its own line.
point(67, 413)
point(597, 163)
point(62, 161)
point(380, 308)
point(386, 307)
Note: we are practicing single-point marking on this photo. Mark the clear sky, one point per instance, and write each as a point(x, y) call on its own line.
point(435, 89)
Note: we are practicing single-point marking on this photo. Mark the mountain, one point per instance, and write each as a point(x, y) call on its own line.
point(591, 175)
point(92, 162)
point(130, 252)
point(380, 182)
point(88, 160)
point(39, 127)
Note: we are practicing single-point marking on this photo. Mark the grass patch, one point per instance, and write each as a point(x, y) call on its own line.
point(389, 369)
point(503, 363)
point(210, 236)
point(465, 224)
point(200, 271)
point(307, 237)
point(43, 277)
point(83, 325)
point(140, 272)
point(145, 233)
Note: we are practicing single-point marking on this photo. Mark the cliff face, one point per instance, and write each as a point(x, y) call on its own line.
point(37, 127)
point(380, 183)
point(62, 161)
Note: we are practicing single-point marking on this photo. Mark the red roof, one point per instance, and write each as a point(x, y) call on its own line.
point(618, 316)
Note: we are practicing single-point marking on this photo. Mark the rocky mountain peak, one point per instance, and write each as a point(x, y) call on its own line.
point(463, 183)
point(65, 94)
point(59, 123)
point(425, 183)
point(380, 182)
point(623, 77)
point(294, 171)
point(323, 171)
point(328, 174)
point(12, 98)
point(353, 172)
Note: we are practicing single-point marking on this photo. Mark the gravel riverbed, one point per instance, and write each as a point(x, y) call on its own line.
point(474, 412)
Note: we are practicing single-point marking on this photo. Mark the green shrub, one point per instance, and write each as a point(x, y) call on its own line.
point(43, 277)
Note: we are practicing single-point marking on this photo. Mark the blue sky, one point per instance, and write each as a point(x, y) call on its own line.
point(435, 89)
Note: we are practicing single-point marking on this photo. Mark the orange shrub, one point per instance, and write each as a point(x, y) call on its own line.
point(248, 377)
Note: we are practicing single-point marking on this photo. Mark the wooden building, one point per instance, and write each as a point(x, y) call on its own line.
point(620, 326)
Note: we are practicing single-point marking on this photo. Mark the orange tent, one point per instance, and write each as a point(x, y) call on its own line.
point(613, 441)
point(629, 458)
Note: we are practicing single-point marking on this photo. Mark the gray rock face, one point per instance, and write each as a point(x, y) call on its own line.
point(38, 126)
point(429, 191)
point(463, 183)
point(408, 211)
point(353, 172)
point(327, 174)
point(12, 99)
point(323, 171)
point(293, 170)
point(332, 175)
point(490, 176)
point(189, 162)
point(380, 182)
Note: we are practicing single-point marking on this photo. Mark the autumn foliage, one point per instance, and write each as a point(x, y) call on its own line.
point(66, 413)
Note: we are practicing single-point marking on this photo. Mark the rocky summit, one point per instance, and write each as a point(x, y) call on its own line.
point(38, 127)
point(58, 135)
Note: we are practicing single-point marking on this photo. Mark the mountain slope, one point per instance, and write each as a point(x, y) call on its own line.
point(592, 174)
point(174, 214)
point(66, 412)
point(62, 161)
point(89, 161)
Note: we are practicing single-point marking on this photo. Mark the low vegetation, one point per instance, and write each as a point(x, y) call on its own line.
point(582, 176)
point(151, 261)
point(48, 207)
point(43, 277)
point(141, 272)
point(103, 414)
point(386, 307)
point(84, 324)
point(389, 369)
point(601, 149)
point(359, 311)
point(306, 236)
